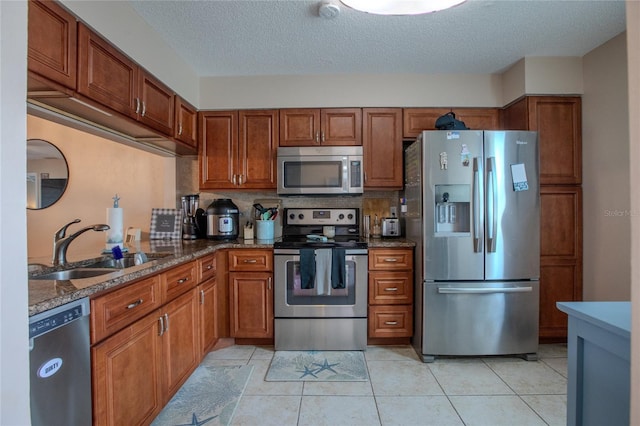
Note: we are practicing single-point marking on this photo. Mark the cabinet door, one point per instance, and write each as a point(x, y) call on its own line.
point(218, 149)
point(179, 280)
point(251, 304)
point(52, 42)
point(180, 340)
point(258, 145)
point(259, 260)
point(391, 259)
point(208, 309)
point(126, 383)
point(299, 127)
point(382, 146)
point(105, 74)
point(558, 121)
point(415, 120)
point(341, 126)
point(185, 128)
point(157, 104)
point(560, 255)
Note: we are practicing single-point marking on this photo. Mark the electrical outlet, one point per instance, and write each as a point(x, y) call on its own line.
point(394, 211)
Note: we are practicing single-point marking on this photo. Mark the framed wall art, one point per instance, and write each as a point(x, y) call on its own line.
point(166, 224)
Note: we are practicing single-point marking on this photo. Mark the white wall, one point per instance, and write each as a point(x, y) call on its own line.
point(14, 345)
point(553, 76)
point(605, 177)
point(633, 58)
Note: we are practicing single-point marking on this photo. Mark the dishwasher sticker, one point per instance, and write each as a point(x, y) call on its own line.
point(50, 368)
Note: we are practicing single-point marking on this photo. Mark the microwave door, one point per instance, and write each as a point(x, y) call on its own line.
point(313, 175)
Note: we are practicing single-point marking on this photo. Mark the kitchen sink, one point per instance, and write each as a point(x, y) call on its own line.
point(125, 262)
point(72, 274)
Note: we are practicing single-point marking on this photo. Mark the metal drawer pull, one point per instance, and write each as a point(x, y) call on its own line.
point(202, 297)
point(166, 322)
point(134, 304)
point(391, 289)
point(250, 261)
point(475, 290)
point(161, 332)
point(391, 323)
point(183, 280)
point(209, 267)
point(390, 259)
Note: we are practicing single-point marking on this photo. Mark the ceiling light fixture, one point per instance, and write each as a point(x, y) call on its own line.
point(401, 7)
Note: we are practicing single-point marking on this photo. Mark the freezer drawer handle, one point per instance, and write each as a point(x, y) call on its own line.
point(475, 290)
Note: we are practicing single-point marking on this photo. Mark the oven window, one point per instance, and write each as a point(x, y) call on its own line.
point(322, 293)
point(313, 174)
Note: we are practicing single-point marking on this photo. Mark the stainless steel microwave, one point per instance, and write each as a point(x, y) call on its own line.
point(322, 170)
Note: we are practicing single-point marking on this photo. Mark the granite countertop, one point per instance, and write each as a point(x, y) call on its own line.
point(48, 294)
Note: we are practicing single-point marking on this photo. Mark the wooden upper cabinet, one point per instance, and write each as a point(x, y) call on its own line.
point(238, 149)
point(157, 103)
point(312, 126)
point(105, 74)
point(218, 149)
point(258, 146)
point(558, 121)
point(52, 51)
point(185, 128)
point(416, 120)
point(382, 146)
point(111, 78)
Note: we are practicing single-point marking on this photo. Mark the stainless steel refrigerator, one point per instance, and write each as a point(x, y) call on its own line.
point(473, 208)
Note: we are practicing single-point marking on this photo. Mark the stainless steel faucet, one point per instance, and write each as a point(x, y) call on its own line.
point(61, 242)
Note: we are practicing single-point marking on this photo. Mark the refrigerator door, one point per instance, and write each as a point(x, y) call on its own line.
point(512, 219)
point(486, 318)
point(452, 197)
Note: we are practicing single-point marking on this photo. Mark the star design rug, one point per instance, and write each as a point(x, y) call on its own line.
point(318, 366)
point(209, 397)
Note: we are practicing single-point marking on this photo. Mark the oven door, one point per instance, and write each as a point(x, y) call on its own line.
point(322, 301)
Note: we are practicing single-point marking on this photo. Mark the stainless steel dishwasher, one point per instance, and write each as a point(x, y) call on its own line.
point(60, 365)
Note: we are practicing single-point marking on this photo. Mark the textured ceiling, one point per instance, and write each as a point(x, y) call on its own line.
point(288, 37)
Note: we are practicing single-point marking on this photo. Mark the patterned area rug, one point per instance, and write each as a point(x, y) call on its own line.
point(318, 366)
point(209, 397)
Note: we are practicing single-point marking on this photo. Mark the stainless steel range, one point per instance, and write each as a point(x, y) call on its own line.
point(320, 283)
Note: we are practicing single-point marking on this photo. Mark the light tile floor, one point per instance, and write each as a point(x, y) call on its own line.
point(402, 390)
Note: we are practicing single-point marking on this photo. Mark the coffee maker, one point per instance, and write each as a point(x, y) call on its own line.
point(190, 226)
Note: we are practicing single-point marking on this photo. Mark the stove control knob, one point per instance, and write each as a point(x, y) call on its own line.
point(292, 216)
point(300, 216)
point(350, 216)
point(340, 216)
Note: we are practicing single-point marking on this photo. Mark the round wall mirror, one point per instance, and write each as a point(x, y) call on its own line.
point(47, 174)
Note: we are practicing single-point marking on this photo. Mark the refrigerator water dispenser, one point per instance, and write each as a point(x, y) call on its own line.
point(452, 206)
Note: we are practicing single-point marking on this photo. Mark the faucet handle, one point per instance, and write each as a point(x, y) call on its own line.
point(60, 233)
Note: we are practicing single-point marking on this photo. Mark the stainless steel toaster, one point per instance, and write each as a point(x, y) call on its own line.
point(390, 227)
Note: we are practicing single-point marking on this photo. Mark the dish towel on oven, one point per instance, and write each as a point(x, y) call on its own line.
point(338, 269)
point(323, 272)
point(307, 268)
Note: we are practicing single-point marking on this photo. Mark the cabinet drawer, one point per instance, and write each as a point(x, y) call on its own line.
point(394, 288)
point(391, 321)
point(178, 280)
point(116, 310)
point(251, 260)
point(391, 259)
point(206, 267)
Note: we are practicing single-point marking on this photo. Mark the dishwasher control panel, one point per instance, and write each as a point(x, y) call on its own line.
point(57, 317)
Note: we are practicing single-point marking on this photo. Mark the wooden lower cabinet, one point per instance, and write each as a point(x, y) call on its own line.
point(390, 294)
point(127, 389)
point(251, 293)
point(208, 310)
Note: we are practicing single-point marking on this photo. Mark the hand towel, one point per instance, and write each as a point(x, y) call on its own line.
point(338, 268)
point(307, 268)
point(323, 272)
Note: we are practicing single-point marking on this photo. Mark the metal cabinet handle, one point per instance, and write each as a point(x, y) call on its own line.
point(144, 108)
point(391, 289)
point(166, 322)
point(202, 297)
point(390, 259)
point(209, 267)
point(269, 283)
point(233, 179)
point(161, 323)
point(250, 261)
point(318, 136)
point(365, 176)
point(179, 129)
point(182, 280)
point(134, 304)
point(322, 137)
point(137, 105)
point(240, 179)
point(391, 323)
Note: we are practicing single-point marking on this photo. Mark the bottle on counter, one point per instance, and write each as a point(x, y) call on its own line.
point(377, 230)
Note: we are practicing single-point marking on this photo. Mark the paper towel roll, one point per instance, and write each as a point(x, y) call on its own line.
point(115, 235)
